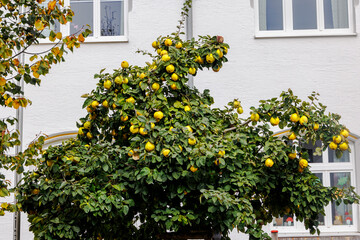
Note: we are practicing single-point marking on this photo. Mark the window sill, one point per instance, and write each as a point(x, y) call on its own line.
point(109, 39)
point(322, 233)
point(281, 34)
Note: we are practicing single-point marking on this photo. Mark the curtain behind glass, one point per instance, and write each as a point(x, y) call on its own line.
point(336, 14)
point(270, 15)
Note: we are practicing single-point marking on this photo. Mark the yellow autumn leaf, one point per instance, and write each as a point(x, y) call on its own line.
point(2, 81)
point(33, 57)
point(51, 38)
point(16, 104)
point(8, 101)
point(4, 205)
point(59, 35)
point(51, 5)
point(23, 102)
point(16, 62)
point(35, 74)
point(55, 51)
point(39, 25)
point(81, 38)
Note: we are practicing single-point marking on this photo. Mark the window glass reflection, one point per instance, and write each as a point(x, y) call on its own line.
point(311, 149)
point(344, 158)
point(321, 218)
point(271, 14)
point(342, 214)
point(112, 17)
point(287, 220)
point(84, 15)
point(53, 27)
point(304, 14)
point(336, 14)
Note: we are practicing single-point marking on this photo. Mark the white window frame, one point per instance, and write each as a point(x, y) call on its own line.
point(65, 28)
point(58, 138)
point(288, 30)
point(328, 229)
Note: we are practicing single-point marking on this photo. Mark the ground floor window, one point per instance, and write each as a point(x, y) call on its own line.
point(332, 171)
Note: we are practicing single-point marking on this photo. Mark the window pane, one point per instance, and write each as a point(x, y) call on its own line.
point(287, 220)
point(54, 27)
point(112, 18)
point(304, 14)
point(311, 149)
point(270, 15)
point(342, 214)
point(336, 14)
point(340, 179)
point(321, 217)
point(320, 176)
point(344, 158)
point(83, 10)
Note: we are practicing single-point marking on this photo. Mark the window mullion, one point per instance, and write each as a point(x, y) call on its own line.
point(126, 12)
point(65, 29)
point(97, 10)
point(351, 12)
point(326, 182)
point(288, 15)
point(320, 14)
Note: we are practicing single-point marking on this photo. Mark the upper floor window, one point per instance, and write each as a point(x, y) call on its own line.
point(285, 18)
point(107, 20)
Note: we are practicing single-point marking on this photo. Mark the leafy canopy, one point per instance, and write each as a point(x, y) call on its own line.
point(152, 156)
point(23, 24)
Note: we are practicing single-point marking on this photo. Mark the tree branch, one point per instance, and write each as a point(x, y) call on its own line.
point(234, 128)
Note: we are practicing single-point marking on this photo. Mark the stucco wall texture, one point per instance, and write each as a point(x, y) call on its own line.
point(257, 69)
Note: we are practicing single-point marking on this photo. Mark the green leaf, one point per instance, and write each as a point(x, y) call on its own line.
point(118, 187)
point(142, 119)
point(212, 209)
point(125, 209)
point(76, 229)
point(177, 104)
point(176, 175)
point(105, 167)
point(313, 208)
point(4, 192)
point(2, 68)
point(87, 102)
point(145, 171)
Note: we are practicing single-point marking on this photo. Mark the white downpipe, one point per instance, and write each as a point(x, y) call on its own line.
point(19, 148)
point(189, 35)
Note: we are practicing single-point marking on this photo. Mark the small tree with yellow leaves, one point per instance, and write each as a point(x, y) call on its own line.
point(22, 25)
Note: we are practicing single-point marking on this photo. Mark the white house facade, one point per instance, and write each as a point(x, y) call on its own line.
point(305, 45)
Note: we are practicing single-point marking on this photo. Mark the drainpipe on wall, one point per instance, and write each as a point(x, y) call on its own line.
point(189, 35)
point(19, 148)
point(274, 235)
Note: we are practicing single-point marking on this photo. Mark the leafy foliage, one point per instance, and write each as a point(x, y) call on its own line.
point(23, 24)
point(152, 156)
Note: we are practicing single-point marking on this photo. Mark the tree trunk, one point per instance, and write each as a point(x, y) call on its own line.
point(251, 237)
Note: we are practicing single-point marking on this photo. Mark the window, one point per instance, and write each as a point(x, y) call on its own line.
point(287, 18)
point(58, 138)
point(107, 20)
point(331, 171)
